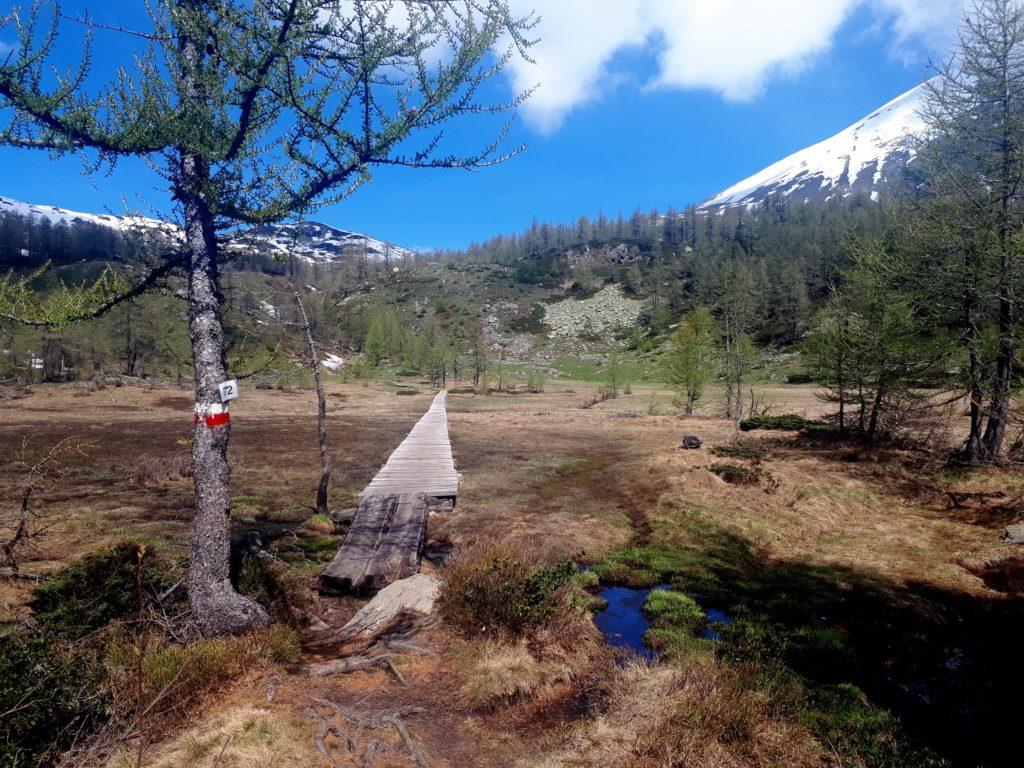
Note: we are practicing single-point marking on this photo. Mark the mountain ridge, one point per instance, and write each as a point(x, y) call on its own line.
point(311, 241)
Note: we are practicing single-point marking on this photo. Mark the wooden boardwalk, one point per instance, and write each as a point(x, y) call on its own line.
point(423, 462)
point(385, 541)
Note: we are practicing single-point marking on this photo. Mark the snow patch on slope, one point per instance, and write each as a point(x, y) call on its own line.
point(62, 216)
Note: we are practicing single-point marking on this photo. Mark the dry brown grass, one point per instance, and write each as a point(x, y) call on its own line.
point(496, 673)
point(250, 737)
point(700, 715)
point(540, 471)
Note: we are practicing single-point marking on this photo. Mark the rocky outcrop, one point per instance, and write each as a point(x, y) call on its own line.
point(585, 256)
point(608, 310)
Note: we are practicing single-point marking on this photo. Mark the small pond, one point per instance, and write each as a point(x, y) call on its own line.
point(624, 624)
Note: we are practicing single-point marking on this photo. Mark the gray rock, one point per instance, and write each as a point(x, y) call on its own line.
point(692, 442)
point(1014, 534)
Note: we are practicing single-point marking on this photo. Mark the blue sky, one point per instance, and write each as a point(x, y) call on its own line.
point(656, 103)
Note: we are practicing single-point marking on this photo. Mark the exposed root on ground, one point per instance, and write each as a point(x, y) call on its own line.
point(363, 735)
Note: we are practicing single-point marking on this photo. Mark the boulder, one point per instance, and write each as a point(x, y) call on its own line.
point(1014, 534)
point(692, 442)
point(413, 595)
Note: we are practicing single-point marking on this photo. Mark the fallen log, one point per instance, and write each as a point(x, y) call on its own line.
point(383, 545)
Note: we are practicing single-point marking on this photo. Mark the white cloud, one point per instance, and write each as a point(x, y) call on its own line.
point(733, 47)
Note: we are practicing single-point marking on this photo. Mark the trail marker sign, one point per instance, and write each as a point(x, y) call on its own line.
point(228, 390)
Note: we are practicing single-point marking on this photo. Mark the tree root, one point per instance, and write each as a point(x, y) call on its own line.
point(359, 663)
point(364, 723)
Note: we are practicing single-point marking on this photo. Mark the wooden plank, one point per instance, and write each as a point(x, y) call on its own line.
point(388, 531)
point(423, 461)
point(384, 544)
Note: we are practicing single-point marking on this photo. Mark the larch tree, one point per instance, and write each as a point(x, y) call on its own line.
point(972, 229)
point(690, 361)
point(248, 111)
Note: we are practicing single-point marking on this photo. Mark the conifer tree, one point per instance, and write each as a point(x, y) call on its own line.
point(690, 360)
point(967, 267)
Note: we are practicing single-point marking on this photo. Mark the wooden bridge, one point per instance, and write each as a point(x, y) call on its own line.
point(385, 541)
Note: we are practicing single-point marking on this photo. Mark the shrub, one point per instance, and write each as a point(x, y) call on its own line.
point(52, 679)
point(743, 449)
point(278, 588)
point(494, 589)
point(407, 391)
point(535, 380)
point(49, 693)
point(788, 422)
point(173, 674)
point(161, 469)
point(529, 323)
point(97, 589)
point(319, 524)
point(737, 474)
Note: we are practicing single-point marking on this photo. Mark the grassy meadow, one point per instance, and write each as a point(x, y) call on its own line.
point(868, 625)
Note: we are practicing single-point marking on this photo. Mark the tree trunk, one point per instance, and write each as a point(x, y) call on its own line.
point(876, 407)
point(973, 451)
point(999, 406)
point(321, 413)
point(216, 606)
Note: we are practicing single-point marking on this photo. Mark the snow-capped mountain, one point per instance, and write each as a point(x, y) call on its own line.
point(308, 240)
point(315, 242)
point(870, 157)
point(9, 207)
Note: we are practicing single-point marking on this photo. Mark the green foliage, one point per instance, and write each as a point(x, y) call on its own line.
point(785, 422)
point(278, 588)
point(535, 380)
point(495, 589)
point(97, 589)
point(875, 353)
point(385, 338)
point(174, 674)
point(742, 449)
point(689, 363)
point(738, 474)
point(532, 322)
point(640, 566)
point(667, 607)
point(49, 693)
